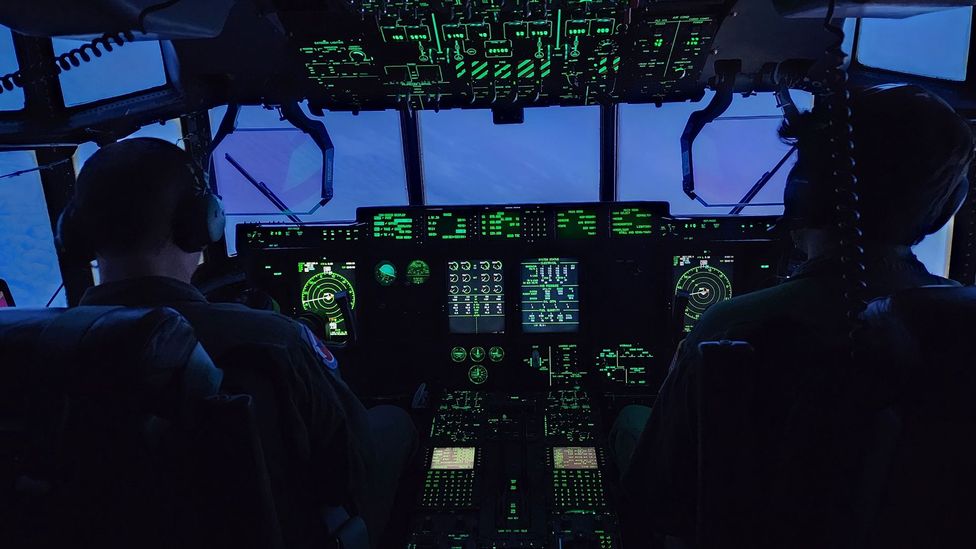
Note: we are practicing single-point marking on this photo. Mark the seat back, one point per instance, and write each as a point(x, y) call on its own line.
point(925, 339)
point(807, 479)
point(113, 435)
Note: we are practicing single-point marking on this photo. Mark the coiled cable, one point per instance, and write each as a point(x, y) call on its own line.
point(70, 59)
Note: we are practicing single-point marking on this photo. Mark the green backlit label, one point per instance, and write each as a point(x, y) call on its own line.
point(559, 362)
point(447, 226)
point(579, 223)
point(631, 222)
point(393, 226)
point(502, 224)
point(626, 364)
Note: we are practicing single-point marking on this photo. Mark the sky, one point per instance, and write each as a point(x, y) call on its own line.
point(553, 156)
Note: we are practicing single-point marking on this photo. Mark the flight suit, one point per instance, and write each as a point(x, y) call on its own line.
point(331, 442)
point(793, 327)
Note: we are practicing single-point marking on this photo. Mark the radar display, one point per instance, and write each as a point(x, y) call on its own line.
point(323, 284)
point(705, 280)
point(550, 295)
point(476, 296)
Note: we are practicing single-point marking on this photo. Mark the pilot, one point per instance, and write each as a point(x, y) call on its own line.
point(912, 154)
point(142, 208)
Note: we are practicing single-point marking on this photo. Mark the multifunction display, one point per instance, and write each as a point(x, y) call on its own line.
point(476, 296)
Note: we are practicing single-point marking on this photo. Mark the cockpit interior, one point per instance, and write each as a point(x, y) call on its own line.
point(500, 216)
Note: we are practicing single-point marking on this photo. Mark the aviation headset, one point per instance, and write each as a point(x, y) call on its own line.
point(198, 219)
point(809, 198)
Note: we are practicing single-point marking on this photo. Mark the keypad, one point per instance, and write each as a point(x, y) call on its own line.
point(578, 490)
point(448, 489)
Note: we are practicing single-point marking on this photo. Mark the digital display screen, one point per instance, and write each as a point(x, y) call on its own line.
point(631, 221)
point(550, 295)
point(476, 296)
point(447, 226)
point(323, 283)
point(457, 459)
point(575, 457)
point(577, 223)
point(502, 224)
point(705, 280)
point(393, 226)
point(626, 363)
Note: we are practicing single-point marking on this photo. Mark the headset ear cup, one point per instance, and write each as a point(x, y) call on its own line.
point(199, 221)
point(71, 238)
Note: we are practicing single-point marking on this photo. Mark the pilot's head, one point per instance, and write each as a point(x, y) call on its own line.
point(912, 154)
point(142, 207)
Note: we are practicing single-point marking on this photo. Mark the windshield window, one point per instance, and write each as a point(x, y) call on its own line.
point(730, 155)
point(554, 156)
point(368, 168)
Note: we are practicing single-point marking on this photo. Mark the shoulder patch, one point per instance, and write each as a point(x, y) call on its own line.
point(323, 352)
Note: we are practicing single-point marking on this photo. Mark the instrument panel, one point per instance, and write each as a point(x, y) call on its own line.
point(426, 54)
point(512, 297)
point(532, 323)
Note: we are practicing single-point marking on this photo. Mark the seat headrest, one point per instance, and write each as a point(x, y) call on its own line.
point(923, 339)
point(149, 360)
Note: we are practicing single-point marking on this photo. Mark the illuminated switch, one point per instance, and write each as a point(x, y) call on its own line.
point(577, 28)
point(602, 27)
point(394, 34)
point(498, 48)
point(479, 31)
point(540, 29)
point(454, 32)
point(418, 33)
point(515, 30)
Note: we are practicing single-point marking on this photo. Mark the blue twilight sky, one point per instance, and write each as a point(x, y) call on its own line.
point(552, 157)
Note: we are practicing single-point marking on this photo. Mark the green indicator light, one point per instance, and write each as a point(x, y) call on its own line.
point(459, 354)
point(496, 354)
point(478, 374)
point(658, 42)
point(477, 354)
point(418, 272)
point(385, 273)
point(764, 266)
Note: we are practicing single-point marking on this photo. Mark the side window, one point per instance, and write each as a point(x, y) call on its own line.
point(129, 68)
point(731, 154)
point(934, 45)
point(554, 156)
point(11, 100)
point(28, 261)
point(368, 168)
